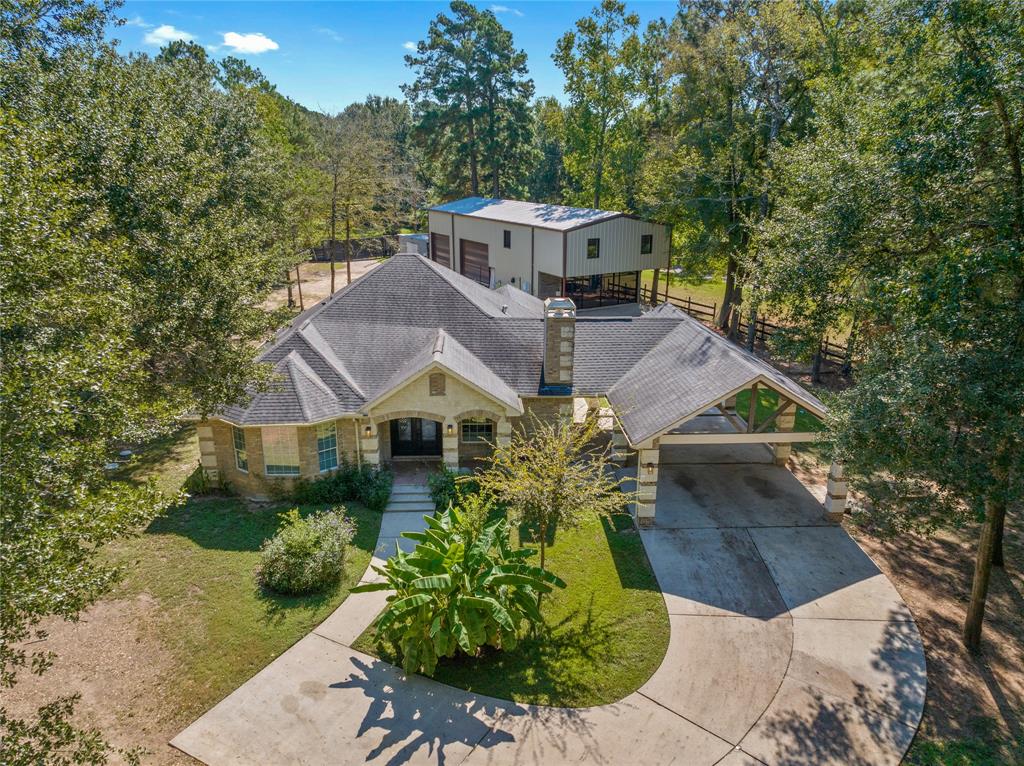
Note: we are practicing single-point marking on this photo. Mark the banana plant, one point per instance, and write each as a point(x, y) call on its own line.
point(457, 591)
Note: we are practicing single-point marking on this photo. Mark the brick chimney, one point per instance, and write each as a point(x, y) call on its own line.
point(559, 343)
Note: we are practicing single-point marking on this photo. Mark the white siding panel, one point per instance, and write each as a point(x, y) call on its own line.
point(441, 223)
point(507, 263)
point(620, 247)
point(548, 254)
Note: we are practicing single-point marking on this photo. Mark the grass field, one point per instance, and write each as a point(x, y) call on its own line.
point(607, 631)
point(709, 292)
point(198, 562)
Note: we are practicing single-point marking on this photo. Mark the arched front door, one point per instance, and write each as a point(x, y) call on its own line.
point(415, 436)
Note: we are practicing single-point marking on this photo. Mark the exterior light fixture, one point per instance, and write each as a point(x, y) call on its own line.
point(368, 431)
point(650, 468)
point(450, 429)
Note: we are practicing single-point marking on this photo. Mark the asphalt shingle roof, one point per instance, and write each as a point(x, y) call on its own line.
point(688, 371)
point(353, 348)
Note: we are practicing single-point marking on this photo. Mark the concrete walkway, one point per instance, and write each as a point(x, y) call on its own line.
point(788, 646)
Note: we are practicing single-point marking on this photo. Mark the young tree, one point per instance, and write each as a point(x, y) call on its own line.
point(906, 210)
point(547, 181)
point(471, 103)
point(608, 69)
point(138, 200)
point(553, 475)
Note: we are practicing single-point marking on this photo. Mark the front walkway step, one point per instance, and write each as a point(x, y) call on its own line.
point(397, 506)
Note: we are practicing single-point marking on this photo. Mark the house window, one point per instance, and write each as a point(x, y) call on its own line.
point(241, 456)
point(436, 384)
point(475, 430)
point(281, 451)
point(594, 248)
point(507, 235)
point(327, 446)
point(646, 244)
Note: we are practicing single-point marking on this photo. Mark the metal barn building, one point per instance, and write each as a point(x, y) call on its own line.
point(592, 256)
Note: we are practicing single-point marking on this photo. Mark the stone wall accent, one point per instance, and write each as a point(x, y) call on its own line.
point(544, 408)
point(835, 493)
point(208, 453)
point(647, 485)
point(784, 422)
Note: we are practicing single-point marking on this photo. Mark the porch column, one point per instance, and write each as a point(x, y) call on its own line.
point(646, 485)
point(369, 441)
point(835, 495)
point(620, 446)
point(784, 422)
point(503, 432)
point(450, 443)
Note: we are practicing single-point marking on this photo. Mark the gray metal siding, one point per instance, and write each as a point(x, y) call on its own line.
point(620, 247)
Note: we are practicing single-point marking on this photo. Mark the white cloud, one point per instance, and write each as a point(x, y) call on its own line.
point(328, 32)
point(506, 9)
point(252, 42)
point(137, 21)
point(409, 45)
point(164, 34)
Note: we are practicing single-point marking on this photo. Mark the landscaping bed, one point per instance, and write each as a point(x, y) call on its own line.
point(606, 632)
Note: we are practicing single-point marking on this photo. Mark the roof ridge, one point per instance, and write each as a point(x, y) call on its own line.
point(327, 354)
point(297, 365)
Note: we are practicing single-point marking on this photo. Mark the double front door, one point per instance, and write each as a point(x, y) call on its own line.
point(415, 436)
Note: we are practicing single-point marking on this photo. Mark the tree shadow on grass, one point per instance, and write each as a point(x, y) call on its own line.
point(628, 553)
point(557, 664)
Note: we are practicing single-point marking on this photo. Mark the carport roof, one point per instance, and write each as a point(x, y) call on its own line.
point(688, 371)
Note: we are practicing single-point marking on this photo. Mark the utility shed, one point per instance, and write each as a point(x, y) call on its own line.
point(592, 256)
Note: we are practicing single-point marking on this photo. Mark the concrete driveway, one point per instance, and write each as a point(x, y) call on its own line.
point(788, 646)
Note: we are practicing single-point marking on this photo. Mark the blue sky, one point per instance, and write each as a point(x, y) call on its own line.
point(328, 54)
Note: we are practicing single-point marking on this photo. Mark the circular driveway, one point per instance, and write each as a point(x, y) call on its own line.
point(788, 646)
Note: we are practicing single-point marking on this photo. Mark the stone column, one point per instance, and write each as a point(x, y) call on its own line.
point(503, 432)
point(620, 447)
point(784, 422)
point(450, 443)
point(646, 485)
point(369, 440)
point(208, 452)
point(835, 495)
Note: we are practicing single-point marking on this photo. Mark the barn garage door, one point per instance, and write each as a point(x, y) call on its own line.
point(440, 249)
point(473, 261)
point(548, 285)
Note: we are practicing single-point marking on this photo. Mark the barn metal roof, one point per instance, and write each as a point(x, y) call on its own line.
point(539, 214)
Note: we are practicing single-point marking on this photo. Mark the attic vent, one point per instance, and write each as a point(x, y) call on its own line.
point(436, 384)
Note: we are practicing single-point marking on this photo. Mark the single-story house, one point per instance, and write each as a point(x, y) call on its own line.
point(414, 360)
point(592, 256)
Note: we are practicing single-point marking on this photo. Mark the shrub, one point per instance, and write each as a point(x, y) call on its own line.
point(458, 591)
point(369, 485)
point(306, 555)
point(448, 487)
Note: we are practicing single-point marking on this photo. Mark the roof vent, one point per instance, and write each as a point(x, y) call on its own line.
point(504, 308)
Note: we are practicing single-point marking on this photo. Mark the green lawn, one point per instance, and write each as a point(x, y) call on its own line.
point(982, 747)
point(607, 631)
point(709, 292)
point(198, 562)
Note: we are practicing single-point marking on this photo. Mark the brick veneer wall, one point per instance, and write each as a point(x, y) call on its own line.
point(255, 483)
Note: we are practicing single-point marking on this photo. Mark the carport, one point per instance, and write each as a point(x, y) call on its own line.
point(680, 400)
